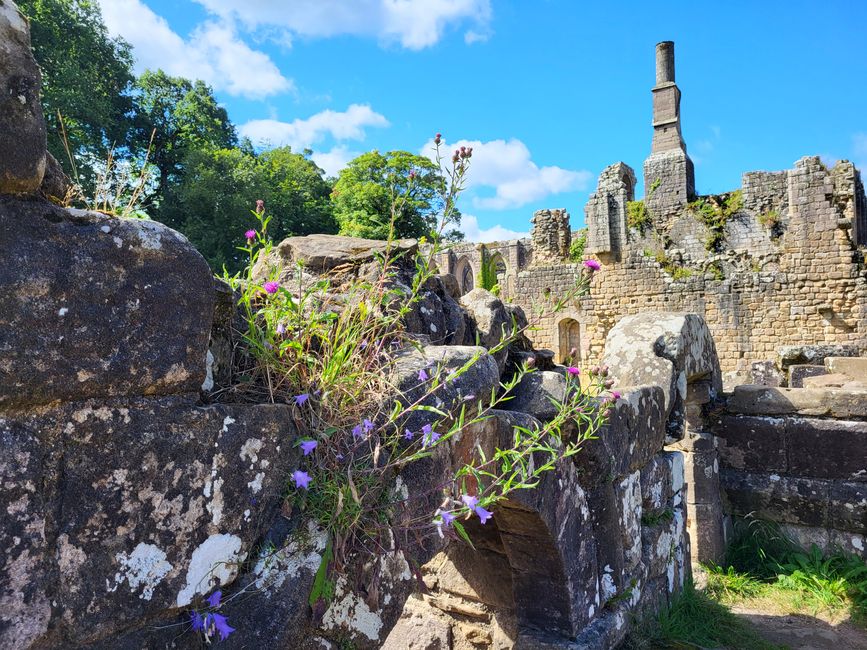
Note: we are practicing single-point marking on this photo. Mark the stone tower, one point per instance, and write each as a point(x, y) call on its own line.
point(669, 176)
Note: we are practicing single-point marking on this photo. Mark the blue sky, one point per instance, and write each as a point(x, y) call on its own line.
point(549, 92)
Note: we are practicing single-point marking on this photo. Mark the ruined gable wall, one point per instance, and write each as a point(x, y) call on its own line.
point(803, 287)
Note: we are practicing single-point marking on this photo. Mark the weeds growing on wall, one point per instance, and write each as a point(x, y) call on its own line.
point(714, 212)
point(773, 221)
point(576, 248)
point(329, 353)
point(638, 216)
point(488, 272)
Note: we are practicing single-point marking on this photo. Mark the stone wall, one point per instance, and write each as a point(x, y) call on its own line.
point(795, 456)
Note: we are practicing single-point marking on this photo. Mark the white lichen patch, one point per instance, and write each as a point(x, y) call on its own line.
point(102, 413)
point(16, 21)
point(144, 568)
point(349, 611)
point(303, 553)
point(63, 311)
point(256, 484)
point(208, 384)
point(250, 449)
point(214, 563)
point(150, 234)
point(609, 589)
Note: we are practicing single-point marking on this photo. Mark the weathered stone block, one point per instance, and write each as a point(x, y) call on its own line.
point(22, 124)
point(701, 473)
point(761, 400)
point(827, 448)
point(752, 443)
point(534, 393)
point(706, 529)
point(789, 355)
point(656, 483)
point(799, 372)
point(98, 306)
point(153, 503)
point(777, 498)
point(854, 367)
point(847, 507)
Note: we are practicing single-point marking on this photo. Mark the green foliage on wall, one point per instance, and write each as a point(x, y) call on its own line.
point(714, 212)
point(576, 248)
point(638, 216)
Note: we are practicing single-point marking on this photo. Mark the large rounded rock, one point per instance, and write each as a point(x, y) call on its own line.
point(98, 306)
point(491, 320)
point(22, 125)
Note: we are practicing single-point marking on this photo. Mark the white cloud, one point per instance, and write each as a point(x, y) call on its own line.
point(415, 24)
point(508, 167)
point(214, 52)
point(470, 227)
point(334, 160)
point(300, 134)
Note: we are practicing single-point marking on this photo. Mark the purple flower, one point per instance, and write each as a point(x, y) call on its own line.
point(422, 375)
point(308, 446)
point(214, 599)
point(221, 625)
point(591, 264)
point(483, 514)
point(426, 429)
point(271, 287)
point(469, 500)
point(302, 479)
point(448, 517)
point(368, 425)
point(301, 399)
point(469, 397)
point(573, 371)
point(250, 235)
point(357, 431)
point(408, 434)
point(411, 174)
point(615, 395)
point(198, 621)
point(430, 438)
point(281, 329)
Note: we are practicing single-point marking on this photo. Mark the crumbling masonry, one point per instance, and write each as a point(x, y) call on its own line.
point(775, 264)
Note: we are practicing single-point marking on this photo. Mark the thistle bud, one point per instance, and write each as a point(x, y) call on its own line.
point(260, 206)
point(438, 138)
point(609, 383)
point(573, 352)
point(531, 362)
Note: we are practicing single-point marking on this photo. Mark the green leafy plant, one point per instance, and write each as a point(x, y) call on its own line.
point(654, 518)
point(773, 221)
point(576, 248)
point(714, 212)
point(332, 358)
point(638, 216)
point(653, 187)
point(488, 272)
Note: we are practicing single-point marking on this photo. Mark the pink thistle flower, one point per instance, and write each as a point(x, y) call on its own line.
point(250, 235)
point(271, 287)
point(615, 395)
point(573, 371)
point(592, 264)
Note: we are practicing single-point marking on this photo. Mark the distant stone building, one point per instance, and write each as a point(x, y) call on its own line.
point(778, 262)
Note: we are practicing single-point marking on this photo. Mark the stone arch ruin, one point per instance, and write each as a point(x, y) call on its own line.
point(465, 274)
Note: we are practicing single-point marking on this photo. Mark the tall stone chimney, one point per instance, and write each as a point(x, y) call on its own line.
point(669, 175)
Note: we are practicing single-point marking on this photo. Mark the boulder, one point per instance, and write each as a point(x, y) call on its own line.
point(534, 393)
point(491, 321)
point(98, 306)
point(812, 354)
point(322, 253)
point(437, 315)
point(22, 125)
point(668, 350)
point(55, 183)
point(119, 511)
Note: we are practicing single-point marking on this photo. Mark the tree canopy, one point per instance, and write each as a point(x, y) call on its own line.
point(212, 204)
point(370, 184)
point(86, 77)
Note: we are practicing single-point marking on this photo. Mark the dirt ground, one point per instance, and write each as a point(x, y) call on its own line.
point(804, 632)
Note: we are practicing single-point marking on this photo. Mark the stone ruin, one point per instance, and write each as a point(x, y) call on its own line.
point(129, 492)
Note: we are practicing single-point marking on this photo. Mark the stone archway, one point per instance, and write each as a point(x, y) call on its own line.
point(464, 274)
point(568, 338)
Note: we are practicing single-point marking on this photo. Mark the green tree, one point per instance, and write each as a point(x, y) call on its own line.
point(373, 184)
point(86, 76)
point(212, 203)
point(183, 116)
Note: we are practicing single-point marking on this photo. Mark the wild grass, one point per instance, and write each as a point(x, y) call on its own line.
point(695, 620)
point(764, 568)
